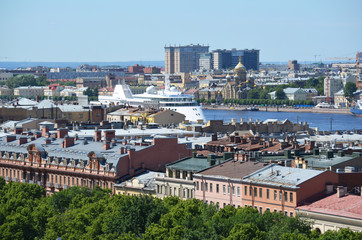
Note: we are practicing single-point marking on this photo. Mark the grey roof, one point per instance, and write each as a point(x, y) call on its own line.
point(276, 175)
point(147, 179)
point(192, 164)
point(291, 90)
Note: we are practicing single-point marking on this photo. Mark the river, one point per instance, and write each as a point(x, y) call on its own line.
point(320, 120)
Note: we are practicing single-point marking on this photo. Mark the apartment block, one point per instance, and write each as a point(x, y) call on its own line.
point(222, 184)
point(183, 59)
point(281, 189)
point(56, 161)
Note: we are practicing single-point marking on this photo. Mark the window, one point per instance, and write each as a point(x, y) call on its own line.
point(233, 190)
point(224, 189)
point(246, 191)
point(280, 195)
point(275, 211)
point(286, 213)
point(206, 187)
point(291, 197)
point(228, 190)
point(217, 188)
point(261, 209)
point(250, 191)
point(286, 196)
point(267, 209)
point(260, 192)
point(291, 214)
point(238, 191)
point(210, 187)
point(197, 185)
point(224, 204)
point(170, 191)
point(255, 192)
point(275, 195)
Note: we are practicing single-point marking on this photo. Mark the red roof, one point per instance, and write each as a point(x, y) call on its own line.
point(346, 206)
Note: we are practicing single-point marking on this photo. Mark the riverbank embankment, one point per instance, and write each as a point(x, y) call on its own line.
point(282, 109)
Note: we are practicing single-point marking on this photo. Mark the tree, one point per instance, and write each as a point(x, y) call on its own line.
point(349, 89)
point(253, 94)
point(280, 94)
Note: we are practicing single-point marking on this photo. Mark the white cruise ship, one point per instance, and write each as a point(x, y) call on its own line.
point(169, 98)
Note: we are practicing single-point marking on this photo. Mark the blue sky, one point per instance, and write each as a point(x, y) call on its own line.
point(94, 30)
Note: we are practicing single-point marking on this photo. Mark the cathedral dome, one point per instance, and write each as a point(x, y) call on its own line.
point(240, 67)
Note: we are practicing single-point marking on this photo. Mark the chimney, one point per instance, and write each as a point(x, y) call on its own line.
point(37, 134)
point(68, 142)
point(23, 140)
point(106, 145)
point(237, 139)
point(340, 191)
point(61, 132)
point(98, 135)
point(44, 131)
point(18, 130)
point(214, 137)
point(122, 150)
point(109, 135)
point(47, 141)
point(232, 138)
point(114, 142)
point(10, 138)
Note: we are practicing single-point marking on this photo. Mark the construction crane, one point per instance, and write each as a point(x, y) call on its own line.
point(315, 57)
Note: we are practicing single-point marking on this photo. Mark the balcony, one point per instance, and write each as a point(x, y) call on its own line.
point(49, 184)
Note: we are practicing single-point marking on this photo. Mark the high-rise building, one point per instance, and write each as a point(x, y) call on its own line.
point(205, 61)
point(249, 58)
point(293, 65)
point(183, 59)
point(222, 59)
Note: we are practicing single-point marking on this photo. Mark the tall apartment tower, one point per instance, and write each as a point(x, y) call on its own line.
point(249, 58)
point(183, 59)
point(222, 59)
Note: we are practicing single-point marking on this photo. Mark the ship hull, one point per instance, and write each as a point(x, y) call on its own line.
point(357, 112)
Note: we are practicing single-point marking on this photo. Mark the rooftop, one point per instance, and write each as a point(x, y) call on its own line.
point(194, 164)
point(347, 206)
point(276, 175)
point(233, 169)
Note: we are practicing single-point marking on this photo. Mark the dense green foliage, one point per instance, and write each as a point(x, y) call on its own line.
point(267, 102)
point(26, 80)
point(349, 89)
point(81, 213)
point(92, 93)
point(317, 83)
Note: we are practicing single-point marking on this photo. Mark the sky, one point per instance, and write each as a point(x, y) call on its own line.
point(121, 30)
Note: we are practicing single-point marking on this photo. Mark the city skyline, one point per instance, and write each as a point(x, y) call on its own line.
point(68, 31)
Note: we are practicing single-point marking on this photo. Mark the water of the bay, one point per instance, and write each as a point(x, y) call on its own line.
point(320, 120)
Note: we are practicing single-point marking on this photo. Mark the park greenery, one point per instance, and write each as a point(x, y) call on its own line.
point(26, 80)
point(32, 80)
point(82, 213)
point(92, 93)
point(349, 89)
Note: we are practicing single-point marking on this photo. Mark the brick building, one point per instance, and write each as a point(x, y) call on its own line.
point(56, 161)
point(282, 189)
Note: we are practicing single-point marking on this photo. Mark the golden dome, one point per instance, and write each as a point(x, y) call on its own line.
point(240, 66)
